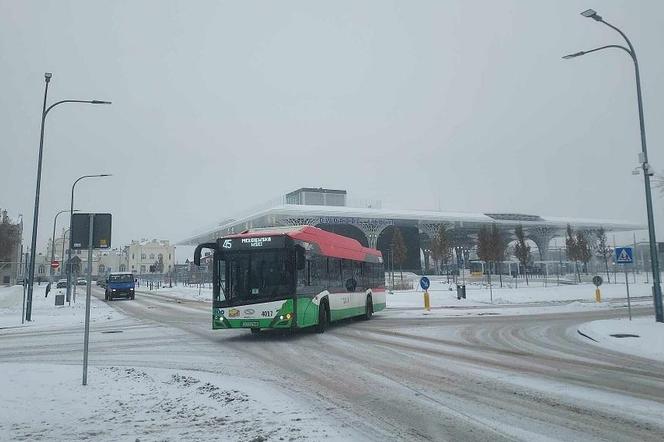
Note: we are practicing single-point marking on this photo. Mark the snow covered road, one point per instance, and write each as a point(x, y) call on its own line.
point(524, 377)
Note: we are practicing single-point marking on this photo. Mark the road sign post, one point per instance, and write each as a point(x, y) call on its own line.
point(425, 284)
point(89, 231)
point(597, 280)
point(624, 256)
point(86, 340)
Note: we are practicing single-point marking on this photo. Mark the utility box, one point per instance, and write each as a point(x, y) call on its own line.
point(59, 299)
point(461, 291)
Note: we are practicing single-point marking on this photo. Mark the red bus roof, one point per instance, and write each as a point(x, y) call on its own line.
point(330, 244)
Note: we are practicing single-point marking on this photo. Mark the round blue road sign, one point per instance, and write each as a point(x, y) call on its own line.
point(424, 283)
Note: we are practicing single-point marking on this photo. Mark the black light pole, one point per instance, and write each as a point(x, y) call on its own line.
point(71, 217)
point(64, 238)
point(35, 218)
point(643, 159)
point(55, 220)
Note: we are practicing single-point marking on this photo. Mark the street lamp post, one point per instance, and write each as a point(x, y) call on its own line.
point(35, 218)
point(53, 240)
point(64, 239)
point(643, 159)
point(71, 217)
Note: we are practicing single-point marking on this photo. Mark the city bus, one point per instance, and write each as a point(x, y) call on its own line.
point(292, 277)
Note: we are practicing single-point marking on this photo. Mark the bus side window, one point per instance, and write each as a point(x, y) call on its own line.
point(308, 272)
point(318, 272)
point(334, 275)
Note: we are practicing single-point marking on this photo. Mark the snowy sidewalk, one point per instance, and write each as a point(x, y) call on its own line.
point(46, 401)
point(641, 336)
point(46, 314)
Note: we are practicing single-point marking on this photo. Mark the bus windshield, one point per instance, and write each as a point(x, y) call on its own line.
point(259, 275)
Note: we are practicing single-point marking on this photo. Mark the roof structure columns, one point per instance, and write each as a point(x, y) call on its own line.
point(299, 221)
point(372, 228)
point(542, 236)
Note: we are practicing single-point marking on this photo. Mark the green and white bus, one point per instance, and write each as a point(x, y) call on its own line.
point(292, 277)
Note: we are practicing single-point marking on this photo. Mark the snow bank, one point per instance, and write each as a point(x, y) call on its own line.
point(190, 293)
point(477, 294)
point(48, 402)
point(533, 299)
point(640, 337)
point(46, 313)
point(11, 296)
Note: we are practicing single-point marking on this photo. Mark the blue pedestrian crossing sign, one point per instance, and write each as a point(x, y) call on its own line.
point(624, 255)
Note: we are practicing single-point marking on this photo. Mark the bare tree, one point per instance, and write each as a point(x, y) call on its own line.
point(522, 249)
point(658, 181)
point(400, 252)
point(497, 249)
point(584, 250)
point(572, 249)
point(603, 250)
point(491, 247)
point(441, 248)
point(483, 244)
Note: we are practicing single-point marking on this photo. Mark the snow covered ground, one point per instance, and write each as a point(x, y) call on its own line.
point(127, 397)
point(44, 311)
point(532, 299)
point(641, 336)
point(48, 402)
point(184, 292)
point(159, 373)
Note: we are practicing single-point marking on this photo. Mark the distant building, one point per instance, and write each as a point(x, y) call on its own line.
point(308, 196)
point(374, 226)
point(103, 262)
point(156, 255)
point(139, 257)
point(11, 245)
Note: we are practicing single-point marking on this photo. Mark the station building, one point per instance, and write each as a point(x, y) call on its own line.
point(374, 226)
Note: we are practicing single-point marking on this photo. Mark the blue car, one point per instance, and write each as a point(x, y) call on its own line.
point(120, 285)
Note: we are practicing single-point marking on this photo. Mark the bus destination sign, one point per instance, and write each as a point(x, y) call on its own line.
point(254, 242)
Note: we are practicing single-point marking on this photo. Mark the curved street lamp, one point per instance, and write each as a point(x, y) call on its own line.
point(35, 218)
point(71, 217)
point(55, 220)
point(643, 158)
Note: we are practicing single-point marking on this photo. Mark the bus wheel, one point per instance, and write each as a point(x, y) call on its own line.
point(368, 312)
point(322, 318)
point(255, 331)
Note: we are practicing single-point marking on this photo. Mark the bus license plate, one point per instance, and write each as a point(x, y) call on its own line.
point(250, 324)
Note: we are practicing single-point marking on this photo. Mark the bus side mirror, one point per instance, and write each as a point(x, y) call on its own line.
point(300, 259)
point(197, 251)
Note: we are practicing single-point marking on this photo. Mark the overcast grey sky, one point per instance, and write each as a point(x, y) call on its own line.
point(218, 106)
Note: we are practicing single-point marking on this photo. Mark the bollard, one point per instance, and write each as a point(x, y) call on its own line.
point(598, 295)
point(427, 303)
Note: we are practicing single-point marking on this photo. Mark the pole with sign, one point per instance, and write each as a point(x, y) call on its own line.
point(597, 280)
point(624, 256)
point(425, 284)
point(86, 340)
point(90, 231)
